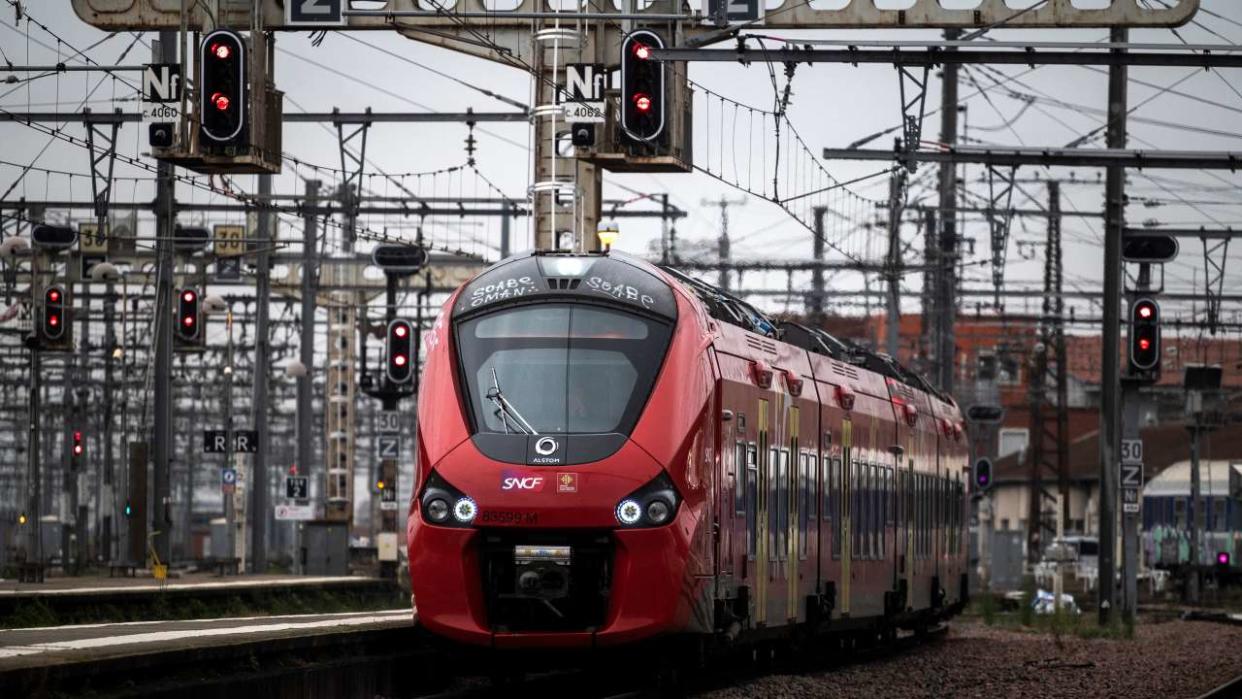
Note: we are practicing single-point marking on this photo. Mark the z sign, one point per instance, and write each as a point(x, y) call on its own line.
point(314, 12)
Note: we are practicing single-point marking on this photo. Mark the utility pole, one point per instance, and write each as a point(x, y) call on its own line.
point(32, 441)
point(1110, 385)
point(107, 498)
point(306, 394)
point(664, 229)
point(896, 201)
point(817, 274)
point(929, 341)
point(259, 486)
point(505, 229)
point(1196, 508)
point(164, 52)
point(946, 296)
point(722, 242)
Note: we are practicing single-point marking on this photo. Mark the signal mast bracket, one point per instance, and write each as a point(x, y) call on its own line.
point(101, 144)
point(912, 120)
point(1000, 219)
point(1215, 254)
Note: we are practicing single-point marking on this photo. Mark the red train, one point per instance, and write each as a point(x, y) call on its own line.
point(609, 451)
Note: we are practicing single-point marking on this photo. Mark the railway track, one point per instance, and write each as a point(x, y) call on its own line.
point(1228, 690)
point(725, 670)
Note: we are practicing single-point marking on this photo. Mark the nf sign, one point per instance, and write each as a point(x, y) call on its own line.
point(313, 13)
point(583, 94)
point(161, 93)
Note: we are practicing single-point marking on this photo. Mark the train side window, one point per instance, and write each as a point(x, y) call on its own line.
point(864, 510)
point(782, 504)
point(855, 511)
point(873, 518)
point(774, 502)
point(752, 499)
point(812, 493)
point(836, 475)
point(825, 478)
point(805, 499)
point(739, 478)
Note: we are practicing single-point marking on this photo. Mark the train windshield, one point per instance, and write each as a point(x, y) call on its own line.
point(560, 368)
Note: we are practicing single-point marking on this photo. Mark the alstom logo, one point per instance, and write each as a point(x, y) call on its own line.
point(521, 480)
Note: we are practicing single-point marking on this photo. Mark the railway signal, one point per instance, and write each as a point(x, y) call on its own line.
point(400, 343)
point(189, 317)
point(643, 95)
point(1145, 337)
point(54, 321)
point(983, 475)
point(22, 519)
point(78, 450)
point(222, 100)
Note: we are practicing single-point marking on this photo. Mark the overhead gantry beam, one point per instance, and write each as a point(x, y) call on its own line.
point(1066, 157)
point(124, 15)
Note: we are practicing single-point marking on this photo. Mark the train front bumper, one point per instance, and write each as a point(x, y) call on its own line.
point(464, 588)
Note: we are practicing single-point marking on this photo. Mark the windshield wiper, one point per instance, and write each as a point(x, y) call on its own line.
point(505, 411)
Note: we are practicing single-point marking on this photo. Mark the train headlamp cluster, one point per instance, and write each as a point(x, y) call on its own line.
point(446, 506)
point(652, 505)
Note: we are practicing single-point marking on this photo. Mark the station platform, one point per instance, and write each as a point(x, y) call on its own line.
point(64, 600)
point(169, 656)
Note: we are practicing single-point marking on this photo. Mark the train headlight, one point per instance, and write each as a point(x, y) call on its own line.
point(465, 510)
point(629, 512)
point(437, 510)
point(435, 497)
point(658, 512)
point(652, 505)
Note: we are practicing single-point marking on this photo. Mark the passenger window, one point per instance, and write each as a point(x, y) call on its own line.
point(774, 502)
point(837, 471)
point(783, 484)
point(752, 499)
point(739, 479)
point(804, 502)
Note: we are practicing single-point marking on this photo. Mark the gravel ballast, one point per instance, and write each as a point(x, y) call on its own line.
point(1163, 660)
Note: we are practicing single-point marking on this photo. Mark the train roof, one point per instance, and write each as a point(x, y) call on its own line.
point(629, 281)
point(1217, 478)
point(727, 308)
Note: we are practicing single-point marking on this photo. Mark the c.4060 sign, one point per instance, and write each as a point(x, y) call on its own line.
point(584, 112)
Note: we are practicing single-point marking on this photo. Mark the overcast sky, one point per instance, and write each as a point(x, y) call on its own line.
point(831, 106)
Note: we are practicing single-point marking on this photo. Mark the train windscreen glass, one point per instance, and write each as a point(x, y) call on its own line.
point(560, 368)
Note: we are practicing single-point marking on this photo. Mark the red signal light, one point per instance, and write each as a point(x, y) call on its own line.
point(399, 360)
point(53, 320)
point(188, 296)
point(221, 101)
point(77, 450)
point(642, 51)
point(642, 102)
point(188, 321)
point(53, 295)
point(1144, 344)
point(399, 331)
point(1145, 312)
point(221, 51)
point(77, 436)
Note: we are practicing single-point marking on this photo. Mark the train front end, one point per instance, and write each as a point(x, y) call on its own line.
point(561, 402)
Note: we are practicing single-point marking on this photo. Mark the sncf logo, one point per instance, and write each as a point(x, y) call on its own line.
point(521, 480)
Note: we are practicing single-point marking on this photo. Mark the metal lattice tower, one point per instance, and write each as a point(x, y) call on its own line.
point(1049, 419)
